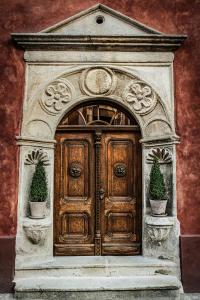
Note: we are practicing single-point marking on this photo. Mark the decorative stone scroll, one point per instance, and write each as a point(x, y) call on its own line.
point(163, 155)
point(140, 96)
point(56, 96)
point(98, 81)
point(36, 155)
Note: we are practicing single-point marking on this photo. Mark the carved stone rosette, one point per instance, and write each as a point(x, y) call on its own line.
point(57, 94)
point(98, 81)
point(140, 96)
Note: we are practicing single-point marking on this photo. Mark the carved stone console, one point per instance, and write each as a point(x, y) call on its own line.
point(158, 228)
point(36, 230)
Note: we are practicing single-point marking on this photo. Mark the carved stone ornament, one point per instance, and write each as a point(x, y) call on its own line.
point(98, 81)
point(35, 232)
point(158, 234)
point(163, 155)
point(56, 96)
point(75, 170)
point(140, 96)
point(120, 170)
point(158, 228)
point(36, 155)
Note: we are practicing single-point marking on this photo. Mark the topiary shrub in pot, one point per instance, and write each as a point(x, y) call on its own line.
point(38, 192)
point(157, 190)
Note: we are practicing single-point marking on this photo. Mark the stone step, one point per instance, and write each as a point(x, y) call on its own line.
point(93, 283)
point(97, 266)
point(99, 288)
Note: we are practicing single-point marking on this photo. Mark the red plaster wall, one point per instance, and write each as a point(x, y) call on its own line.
point(177, 16)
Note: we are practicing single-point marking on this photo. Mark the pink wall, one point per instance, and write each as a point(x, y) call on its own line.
point(178, 16)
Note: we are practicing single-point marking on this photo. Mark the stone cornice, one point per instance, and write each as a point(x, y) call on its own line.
point(48, 41)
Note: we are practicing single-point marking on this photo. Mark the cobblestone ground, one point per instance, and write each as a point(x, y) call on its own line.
point(195, 296)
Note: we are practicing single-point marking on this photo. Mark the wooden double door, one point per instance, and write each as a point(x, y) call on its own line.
point(97, 193)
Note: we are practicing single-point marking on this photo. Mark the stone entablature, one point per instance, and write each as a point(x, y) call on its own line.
point(57, 81)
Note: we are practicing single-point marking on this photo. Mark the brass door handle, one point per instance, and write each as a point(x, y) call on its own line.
point(101, 193)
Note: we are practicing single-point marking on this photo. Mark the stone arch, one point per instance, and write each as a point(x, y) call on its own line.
point(57, 97)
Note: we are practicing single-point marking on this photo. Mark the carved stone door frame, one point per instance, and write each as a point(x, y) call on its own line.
point(63, 71)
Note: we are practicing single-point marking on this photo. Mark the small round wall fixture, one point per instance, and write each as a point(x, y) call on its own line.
point(100, 19)
point(98, 81)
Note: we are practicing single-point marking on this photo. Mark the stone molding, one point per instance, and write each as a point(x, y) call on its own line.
point(49, 41)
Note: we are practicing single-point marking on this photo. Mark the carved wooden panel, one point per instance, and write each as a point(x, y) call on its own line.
point(121, 176)
point(75, 169)
point(97, 193)
point(74, 225)
point(74, 194)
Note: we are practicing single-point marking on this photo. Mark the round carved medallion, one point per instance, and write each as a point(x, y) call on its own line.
point(57, 94)
point(120, 170)
point(75, 170)
point(140, 96)
point(98, 81)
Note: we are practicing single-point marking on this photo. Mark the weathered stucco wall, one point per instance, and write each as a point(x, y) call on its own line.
point(179, 16)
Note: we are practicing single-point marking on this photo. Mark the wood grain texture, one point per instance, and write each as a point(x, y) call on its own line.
point(97, 193)
point(74, 195)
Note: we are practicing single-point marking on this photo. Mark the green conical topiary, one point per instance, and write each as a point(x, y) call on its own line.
point(157, 185)
point(38, 191)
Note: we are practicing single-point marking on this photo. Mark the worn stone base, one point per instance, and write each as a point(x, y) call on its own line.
point(101, 295)
point(98, 278)
point(188, 296)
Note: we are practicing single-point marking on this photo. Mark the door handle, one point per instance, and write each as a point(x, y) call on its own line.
point(101, 193)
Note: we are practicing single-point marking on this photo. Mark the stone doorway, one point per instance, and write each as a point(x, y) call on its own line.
point(66, 69)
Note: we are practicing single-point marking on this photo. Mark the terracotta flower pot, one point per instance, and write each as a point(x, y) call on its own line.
point(38, 209)
point(158, 207)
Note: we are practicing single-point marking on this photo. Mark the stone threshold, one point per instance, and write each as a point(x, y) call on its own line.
point(93, 283)
point(62, 262)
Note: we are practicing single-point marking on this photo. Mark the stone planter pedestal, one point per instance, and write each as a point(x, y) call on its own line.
point(36, 230)
point(158, 228)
